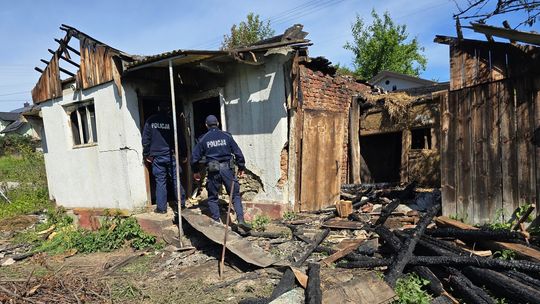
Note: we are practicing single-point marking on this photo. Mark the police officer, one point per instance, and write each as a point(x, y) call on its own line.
point(219, 147)
point(158, 150)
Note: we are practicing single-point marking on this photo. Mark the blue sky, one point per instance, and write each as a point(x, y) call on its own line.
point(27, 29)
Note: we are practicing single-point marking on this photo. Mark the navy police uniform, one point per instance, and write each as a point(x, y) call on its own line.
point(158, 146)
point(219, 147)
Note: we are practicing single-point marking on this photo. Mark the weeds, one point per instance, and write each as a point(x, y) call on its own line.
point(260, 222)
point(114, 233)
point(505, 254)
point(290, 216)
point(409, 290)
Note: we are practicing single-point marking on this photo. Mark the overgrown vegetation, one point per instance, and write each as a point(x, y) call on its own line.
point(259, 222)
point(22, 165)
point(409, 290)
point(115, 232)
point(289, 215)
point(505, 254)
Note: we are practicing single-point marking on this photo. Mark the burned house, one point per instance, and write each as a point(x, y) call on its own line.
point(490, 160)
point(399, 136)
point(290, 120)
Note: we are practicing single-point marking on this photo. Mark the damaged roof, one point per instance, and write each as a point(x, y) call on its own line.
point(14, 126)
point(9, 116)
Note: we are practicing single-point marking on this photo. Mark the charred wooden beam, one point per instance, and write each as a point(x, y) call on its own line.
point(386, 212)
point(68, 47)
point(38, 69)
point(390, 239)
point(466, 289)
point(502, 285)
point(405, 254)
point(454, 261)
point(523, 217)
point(435, 285)
point(313, 291)
point(287, 282)
point(477, 235)
point(44, 61)
point(316, 242)
point(523, 278)
point(64, 58)
point(66, 72)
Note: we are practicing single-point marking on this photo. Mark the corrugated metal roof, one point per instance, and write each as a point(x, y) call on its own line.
point(9, 116)
point(184, 56)
point(14, 126)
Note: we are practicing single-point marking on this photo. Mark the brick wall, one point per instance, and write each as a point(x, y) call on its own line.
point(324, 92)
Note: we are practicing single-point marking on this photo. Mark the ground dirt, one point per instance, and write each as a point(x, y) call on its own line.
point(150, 277)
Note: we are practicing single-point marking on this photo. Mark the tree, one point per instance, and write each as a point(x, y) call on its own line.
point(382, 46)
point(247, 32)
point(482, 10)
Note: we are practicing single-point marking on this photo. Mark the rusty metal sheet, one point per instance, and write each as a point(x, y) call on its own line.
point(322, 152)
point(235, 243)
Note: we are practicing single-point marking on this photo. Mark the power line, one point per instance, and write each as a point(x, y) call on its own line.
point(15, 93)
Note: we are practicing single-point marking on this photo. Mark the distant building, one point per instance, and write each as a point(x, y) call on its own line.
point(15, 122)
point(391, 81)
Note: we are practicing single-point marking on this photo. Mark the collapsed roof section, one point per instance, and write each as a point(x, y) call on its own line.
point(100, 63)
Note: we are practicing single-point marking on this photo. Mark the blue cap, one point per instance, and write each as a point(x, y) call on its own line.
point(211, 120)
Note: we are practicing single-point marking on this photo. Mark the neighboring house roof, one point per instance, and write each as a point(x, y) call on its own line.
point(27, 107)
point(384, 74)
point(14, 126)
point(9, 116)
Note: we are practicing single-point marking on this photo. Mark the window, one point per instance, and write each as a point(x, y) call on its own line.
point(421, 138)
point(82, 118)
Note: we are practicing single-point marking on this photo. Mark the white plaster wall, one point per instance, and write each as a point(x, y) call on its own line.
point(256, 115)
point(400, 84)
point(100, 176)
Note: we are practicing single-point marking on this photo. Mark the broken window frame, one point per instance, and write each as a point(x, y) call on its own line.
point(82, 122)
point(427, 136)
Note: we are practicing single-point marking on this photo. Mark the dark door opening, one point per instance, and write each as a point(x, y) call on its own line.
point(381, 155)
point(201, 109)
point(148, 106)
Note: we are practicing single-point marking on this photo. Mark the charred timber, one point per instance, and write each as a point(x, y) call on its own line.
point(404, 194)
point(68, 47)
point(313, 290)
point(435, 285)
point(466, 289)
point(477, 235)
point(311, 247)
point(405, 254)
point(523, 278)
point(461, 261)
point(502, 285)
point(386, 212)
point(389, 238)
point(287, 283)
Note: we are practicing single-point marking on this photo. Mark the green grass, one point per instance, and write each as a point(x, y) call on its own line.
point(28, 169)
point(9, 168)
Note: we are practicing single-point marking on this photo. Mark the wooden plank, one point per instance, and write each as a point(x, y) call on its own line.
point(323, 134)
point(354, 141)
point(521, 250)
point(405, 148)
point(508, 149)
point(467, 160)
point(343, 252)
point(494, 194)
point(480, 177)
point(526, 184)
point(448, 153)
point(338, 223)
point(366, 288)
point(536, 125)
point(460, 211)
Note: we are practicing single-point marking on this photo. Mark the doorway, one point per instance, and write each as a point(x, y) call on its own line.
point(201, 109)
point(148, 106)
point(381, 155)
